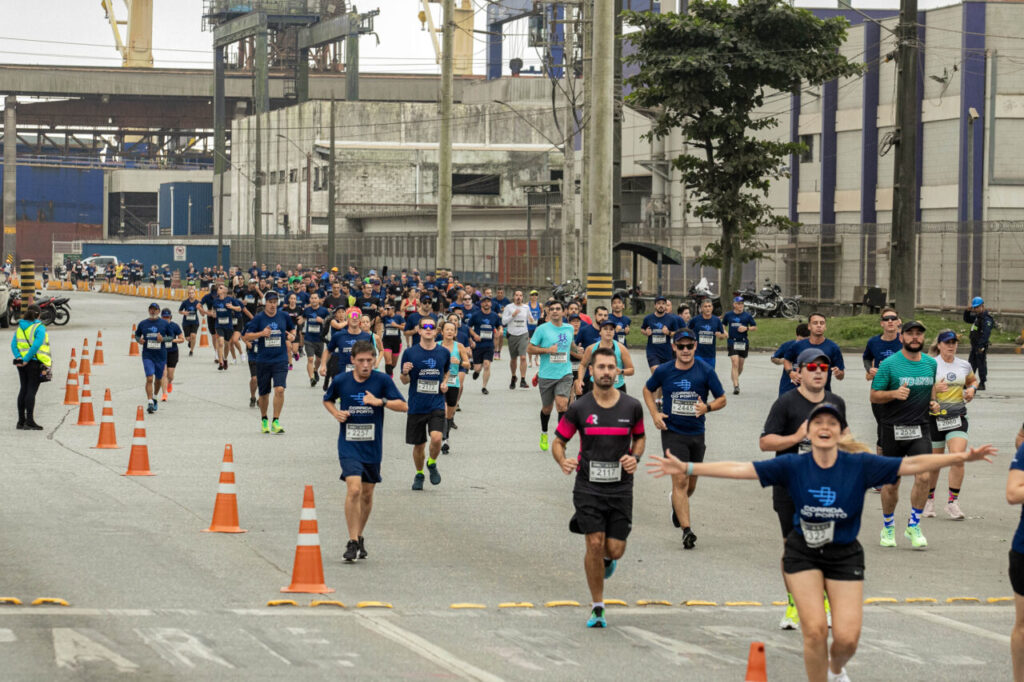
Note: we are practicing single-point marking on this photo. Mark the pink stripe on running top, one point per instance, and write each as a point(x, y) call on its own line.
point(606, 430)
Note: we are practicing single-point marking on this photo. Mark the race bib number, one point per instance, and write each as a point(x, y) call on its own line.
point(575, 365)
point(486, 335)
point(658, 338)
point(391, 331)
point(948, 423)
point(560, 358)
point(359, 431)
point(273, 341)
point(804, 447)
point(684, 408)
point(424, 386)
point(313, 328)
point(739, 345)
point(907, 432)
point(517, 327)
point(453, 380)
point(223, 320)
point(191, 317)
point(705, 338)
point(621, 338)
point(818, 534)
point(154, 345)
point(605, 472)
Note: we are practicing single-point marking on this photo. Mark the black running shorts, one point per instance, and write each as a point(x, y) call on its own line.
point(611, 515)
point(905, 448)
point(836, 562)
point(418, 427)
point(1017, 572)
point(685, 448)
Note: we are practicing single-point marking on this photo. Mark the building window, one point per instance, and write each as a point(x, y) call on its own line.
point(293, 175)
point(478, 184)
point(807, 155)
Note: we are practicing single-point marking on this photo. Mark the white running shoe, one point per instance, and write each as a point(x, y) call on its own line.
point(929, 509)
point(953, 509)
point(791, 619)
point(841, 677)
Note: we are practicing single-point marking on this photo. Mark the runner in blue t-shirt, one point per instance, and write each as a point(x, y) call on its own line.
point(817, 340)
point(362, 395)
point(684, 386)
point(424, 367)
point(708, 329)
point(484, 328)
point(879, 348)
point(335, 359)
point(738, 322)
point(1015, 495)
point(537, 313)
point(315, 320)
point(779, 357)
point(189, 310)
point(271, 331)
point(553, 342)
point(152, 333)
point(621, 320)
point(659, 327)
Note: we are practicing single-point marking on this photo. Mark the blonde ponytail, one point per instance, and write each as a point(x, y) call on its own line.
point(849, 443)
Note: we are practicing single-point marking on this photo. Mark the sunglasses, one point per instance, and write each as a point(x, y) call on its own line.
point(426, 327)
point(817, 366)
point(686, 346)
point(890, 318)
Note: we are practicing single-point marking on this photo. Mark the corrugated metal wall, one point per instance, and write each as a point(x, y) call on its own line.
point(190, 211)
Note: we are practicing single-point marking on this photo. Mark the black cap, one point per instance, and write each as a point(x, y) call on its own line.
point(270, 295)
point(830, 409)
point(660, 298)
point(913, 324)
point(685, 333)
point(608, 323)
point(810, 355)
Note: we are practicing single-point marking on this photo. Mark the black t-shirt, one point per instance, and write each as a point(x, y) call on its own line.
point(789, 412)
point(606, 434)
point(332, 301)
point(366, 305)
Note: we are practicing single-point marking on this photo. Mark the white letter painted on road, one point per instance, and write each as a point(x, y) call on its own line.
point(72, 648)
point(178, 647)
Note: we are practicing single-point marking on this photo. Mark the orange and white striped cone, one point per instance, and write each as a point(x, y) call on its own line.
point(225, 509)
point(108, 436)
point(133, 350)
point(85, 367)
point(97, 356)
point(85, 413)
point(308, 571)
point(138, 459)
point(71, 387)
point(204, 341)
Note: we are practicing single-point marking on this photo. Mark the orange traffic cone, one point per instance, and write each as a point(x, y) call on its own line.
point(85, 367)
point(756, 671)
point(71, 387)
point(308, 571)
point(133, 350)
point(138, 459)
point(225, 509)
point(97, 357)
point(85, 414)
point(204, 341)
point(108, 437)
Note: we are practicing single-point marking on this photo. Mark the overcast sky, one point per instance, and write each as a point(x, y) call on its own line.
point(77, 32)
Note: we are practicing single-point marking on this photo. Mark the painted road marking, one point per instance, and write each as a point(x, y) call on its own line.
point(672, 650)
point(178, 647)
point(964, 627)
point(7, 635)
point(72, 649)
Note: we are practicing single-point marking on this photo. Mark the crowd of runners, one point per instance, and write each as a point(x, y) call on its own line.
point(355, 330)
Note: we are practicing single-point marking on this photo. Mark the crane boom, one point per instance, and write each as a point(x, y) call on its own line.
point(136, 49)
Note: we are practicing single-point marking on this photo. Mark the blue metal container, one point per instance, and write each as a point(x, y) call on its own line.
point(49, 194)
point(186, 208)
point(201, 256)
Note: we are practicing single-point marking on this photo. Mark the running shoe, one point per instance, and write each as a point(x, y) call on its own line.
point(163, 398)
point(445, 448)
point(275, 427)
point(476, 375)
point(981, 386)
point(791, 620)
point(151, 408)
point(916, 537)
point(155, 405)
point(435, 475)
point(512, 385)
point(689, 539)
point(417, 482)
point(362, 548)
point(544, 442)
point(170, 387)
point(735, 390)
point(609, 568)
point(351, 551)
point(522, 383)
point(452, 425)
point(289, 366)
point(312, 381)
point(888, 536)
point(265, 425)
point(190, 353)
point(675, 519)
point(252, 401)
point(953, 509)
point(536, 379)
point(596, 619)
point(929, 509)
point(828, 612)
point(841, 677)
point(484, 391)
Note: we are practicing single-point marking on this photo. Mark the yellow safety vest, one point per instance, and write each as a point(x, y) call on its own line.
point(24, 343)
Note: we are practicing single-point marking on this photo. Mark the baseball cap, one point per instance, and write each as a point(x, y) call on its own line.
point(738, 299)
point(683, 334)
point(828, 408)
point(947, 335)
point(166, 312)
point(660, 298)
point(913, 324)
point(153, 305)
point(810, 355)
point(608, 323)
point(534, 292)
point(976, 301)
point(270, 296)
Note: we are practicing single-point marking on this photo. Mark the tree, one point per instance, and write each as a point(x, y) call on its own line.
point(707, 72)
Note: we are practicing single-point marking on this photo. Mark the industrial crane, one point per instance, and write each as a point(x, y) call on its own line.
point(137, 49)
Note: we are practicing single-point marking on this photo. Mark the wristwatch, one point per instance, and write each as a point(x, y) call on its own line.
point(383, 402)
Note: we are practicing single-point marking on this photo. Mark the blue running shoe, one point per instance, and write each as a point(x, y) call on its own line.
point(596, 619)
point(609, 568)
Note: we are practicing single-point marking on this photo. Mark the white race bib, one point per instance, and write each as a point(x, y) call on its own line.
point(559, 358)
point(948, 423)
point(486, 335)
point(705, 338)
point(739, 345)
point(191, 317)
point(818, 534)
point(391, 331)
point(907, 432)
point(313, 328)
point(517, 327)
point(684, 408)
point(621, 338)
point(658, 338)
point(605, 472)
point(453, 380)
point(154, 345)
point(273, 341)
point(425, 386)
point(359, 431)
point(223, 320)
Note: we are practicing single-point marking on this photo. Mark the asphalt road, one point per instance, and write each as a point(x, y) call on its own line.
point(153, 597)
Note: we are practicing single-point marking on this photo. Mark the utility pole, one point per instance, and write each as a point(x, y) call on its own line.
point(903, 243)
point(331, 197)
point(10, 179)
point(444, 164)
point(569, 161)
point(352, 59)
point(257, 210)
point(219, 147)
point(602, 123)
point(587, 17)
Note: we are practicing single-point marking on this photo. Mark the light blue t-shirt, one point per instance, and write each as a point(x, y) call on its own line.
point(546, 335)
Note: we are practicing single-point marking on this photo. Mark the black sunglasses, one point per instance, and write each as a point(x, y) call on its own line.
point(686, 346)
point(890, 318)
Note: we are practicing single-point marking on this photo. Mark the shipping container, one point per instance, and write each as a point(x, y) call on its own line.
point(186, 208)
point(59, 195)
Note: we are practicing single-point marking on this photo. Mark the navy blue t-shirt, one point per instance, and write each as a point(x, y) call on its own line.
point(390, 332)
point(315, 329)
point(620, 321)
point(360, 436)
point(662, 327)
point(705, 330)
point(828, 347)
point(429, 370)
point(223, 315)
point(146, 332)
point(485, 326)
point(176, 331)
point(188, 309)
point(680, 389)
point(341, 342)
point(412, 322)
point(274, 348)
point(830, 500)
point(587, 335)
point(879, 349)
point(785, 383)
point(1018, 537)
point(733, 322)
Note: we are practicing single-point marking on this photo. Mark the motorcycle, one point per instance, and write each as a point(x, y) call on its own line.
point(631, 297)
point(566, 292)
point(769, 301)
point(54, 310)
point(701, 291)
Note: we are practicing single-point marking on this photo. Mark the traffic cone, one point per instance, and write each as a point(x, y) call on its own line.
point(204, 342)
point(85, 367)
point(71, 387)
point(85, 414)
point(756, 671)
point(138, 459)
point(308, 571)
point(225, 508)
point(133, 350)
point(97, 357)
point(108, 437)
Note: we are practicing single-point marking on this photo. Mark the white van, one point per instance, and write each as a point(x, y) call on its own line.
point(101, 263)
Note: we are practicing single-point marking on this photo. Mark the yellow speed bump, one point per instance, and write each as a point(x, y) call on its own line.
point(743, 603)
point(326, 602)
point(49, 600)
point(780, 603)
point(13, 601)
point(282, 602)
point(952, 600)
point(921, 600)
point(699, 602)
point(653, 602)
point(881, 600)
point(615, 602)
point(374, 605)
point(998, 600)
point(515, 605)
point(563, 602)
point(465, 605)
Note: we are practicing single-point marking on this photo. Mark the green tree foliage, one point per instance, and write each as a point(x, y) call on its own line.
point(707, 72)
